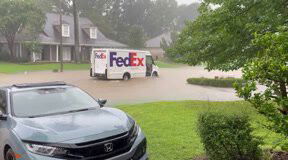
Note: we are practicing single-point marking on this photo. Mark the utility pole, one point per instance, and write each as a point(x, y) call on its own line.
point(76, 32)
point(61, 36)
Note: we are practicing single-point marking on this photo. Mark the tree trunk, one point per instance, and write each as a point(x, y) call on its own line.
point(76, 32)
point(284, 96)
point(10, 42)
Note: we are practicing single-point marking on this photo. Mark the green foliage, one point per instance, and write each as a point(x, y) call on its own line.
point(228, 137)
point(269, 69)
point(161, 18)
point(116, 18)
point(168, 47)
point(33, 46)
point(220, 82)
point(186, 13)
point(19, 16)
point(5, 56)
point(168, 64)
point(136, 37)
point(222, 36)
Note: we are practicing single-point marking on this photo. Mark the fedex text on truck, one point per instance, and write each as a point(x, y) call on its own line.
point(100, 56)
point(131, 60)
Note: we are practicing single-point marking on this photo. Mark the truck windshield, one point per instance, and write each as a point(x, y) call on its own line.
point(51, 101)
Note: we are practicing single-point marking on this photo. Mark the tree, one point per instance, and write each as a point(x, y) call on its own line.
point(136, 11)
point(169, 47)
point(17, 16)
point(76, 30)
point(222, 35)
point(115, 18)
point(186, 13)
point(96, 11)
point(161, 17)
point(270, 69)
point(53, 5)
point(136, 37)
point(33, 47)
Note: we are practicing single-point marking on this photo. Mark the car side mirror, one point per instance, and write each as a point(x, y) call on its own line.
point(102, 102)
point(3, 117)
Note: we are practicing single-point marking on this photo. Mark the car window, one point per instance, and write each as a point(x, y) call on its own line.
point(3, 101)
point(41, 102)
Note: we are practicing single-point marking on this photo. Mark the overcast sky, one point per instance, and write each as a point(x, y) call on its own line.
point(187, 1)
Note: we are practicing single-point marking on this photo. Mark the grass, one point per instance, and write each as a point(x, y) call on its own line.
point(222, 82)
point(16, 68)
point(171, 127)
point(163, 64)
point(9, 68)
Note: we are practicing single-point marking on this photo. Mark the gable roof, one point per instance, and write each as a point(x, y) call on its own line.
point(156, 41)
point(51, 33)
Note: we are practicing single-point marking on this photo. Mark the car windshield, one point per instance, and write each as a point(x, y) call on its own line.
point(50, 101)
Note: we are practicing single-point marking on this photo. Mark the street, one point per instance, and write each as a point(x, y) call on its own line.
point(170, 86)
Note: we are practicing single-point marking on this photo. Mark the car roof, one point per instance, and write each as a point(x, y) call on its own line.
point(30, 86)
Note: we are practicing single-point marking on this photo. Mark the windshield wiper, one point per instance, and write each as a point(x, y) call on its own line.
point(72, 111)
point(80, 110)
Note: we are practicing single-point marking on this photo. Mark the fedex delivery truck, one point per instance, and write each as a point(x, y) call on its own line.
point(122, 64)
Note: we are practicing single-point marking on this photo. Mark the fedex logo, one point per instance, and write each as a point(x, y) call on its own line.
point(131, 60)
point(100, 56)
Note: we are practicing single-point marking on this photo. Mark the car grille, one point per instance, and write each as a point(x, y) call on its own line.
point(96, 150)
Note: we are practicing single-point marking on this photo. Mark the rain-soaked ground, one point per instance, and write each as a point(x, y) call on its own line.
point(170, 86)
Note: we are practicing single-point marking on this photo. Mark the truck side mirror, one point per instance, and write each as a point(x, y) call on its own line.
point(3, 117)
point(102, 102)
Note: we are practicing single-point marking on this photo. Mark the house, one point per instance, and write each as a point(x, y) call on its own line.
point(154, 45)
point(49, 39)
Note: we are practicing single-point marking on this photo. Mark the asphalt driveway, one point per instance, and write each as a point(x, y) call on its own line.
point(170, 86)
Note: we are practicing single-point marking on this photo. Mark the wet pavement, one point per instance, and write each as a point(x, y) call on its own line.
point(170, 86)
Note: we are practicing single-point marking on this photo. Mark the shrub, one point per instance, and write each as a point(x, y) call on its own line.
point(217, 82)
point(228, 136)
point(6, 57)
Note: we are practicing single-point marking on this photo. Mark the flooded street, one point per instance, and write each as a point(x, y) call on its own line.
point(170, 86)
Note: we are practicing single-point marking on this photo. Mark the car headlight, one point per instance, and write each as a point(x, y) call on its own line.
point(134, 132)
point(46, 150)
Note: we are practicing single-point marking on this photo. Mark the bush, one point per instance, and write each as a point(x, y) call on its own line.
point(217, 82)
point(6, 57)
point(228, 137)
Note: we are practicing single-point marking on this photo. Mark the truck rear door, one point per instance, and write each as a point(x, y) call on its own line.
point(100, 61)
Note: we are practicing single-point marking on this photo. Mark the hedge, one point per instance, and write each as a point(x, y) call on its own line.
point(222, 82)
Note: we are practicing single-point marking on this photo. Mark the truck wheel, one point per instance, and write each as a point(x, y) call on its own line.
point(10, 155)
point(126, 77)
point(91, 74)
point(155, 74)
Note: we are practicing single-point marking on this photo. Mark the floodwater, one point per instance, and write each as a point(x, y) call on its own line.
point(170, 86)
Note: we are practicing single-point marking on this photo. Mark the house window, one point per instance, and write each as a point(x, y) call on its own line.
point(65, 30)
point(93, 33)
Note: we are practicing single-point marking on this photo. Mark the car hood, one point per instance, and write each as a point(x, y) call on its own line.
point(73, 127)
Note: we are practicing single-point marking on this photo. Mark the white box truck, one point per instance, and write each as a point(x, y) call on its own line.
point(122, 64)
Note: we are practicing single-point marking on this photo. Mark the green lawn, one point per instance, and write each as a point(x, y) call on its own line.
point(17, 68)
point(171, 127)
point(163, 64)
